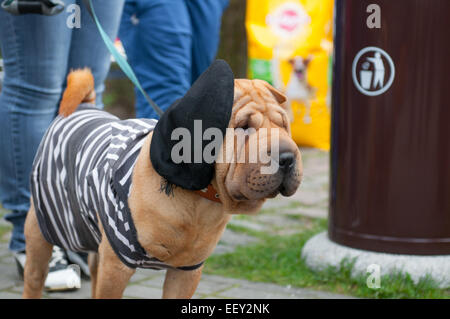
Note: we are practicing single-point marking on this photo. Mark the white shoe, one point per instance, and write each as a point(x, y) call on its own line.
point(20, 258)
point(61, 275)
point(80, 259)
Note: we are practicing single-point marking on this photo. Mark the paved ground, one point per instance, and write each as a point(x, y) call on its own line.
point(278, 216)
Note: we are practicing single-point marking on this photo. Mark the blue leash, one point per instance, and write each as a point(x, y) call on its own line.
point(121, 61)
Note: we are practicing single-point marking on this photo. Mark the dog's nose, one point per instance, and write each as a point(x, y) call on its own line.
point(287, 161)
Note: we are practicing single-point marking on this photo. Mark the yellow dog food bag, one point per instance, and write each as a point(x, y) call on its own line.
point(290, 46)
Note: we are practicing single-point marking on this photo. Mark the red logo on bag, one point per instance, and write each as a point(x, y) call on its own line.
point(288, 19)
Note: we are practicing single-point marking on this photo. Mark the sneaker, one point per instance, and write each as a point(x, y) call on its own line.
point(81, 259)
point(61, 276)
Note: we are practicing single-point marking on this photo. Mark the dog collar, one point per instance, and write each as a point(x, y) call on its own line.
point(209, 193)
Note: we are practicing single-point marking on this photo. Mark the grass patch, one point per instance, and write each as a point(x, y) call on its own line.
point(296, 204)
point(301, 223)
point(4, 229)
point(242, 217)
point(245, 230)
point(277, 259)
point(274, 210)
point(269, 210)
point(295, 217)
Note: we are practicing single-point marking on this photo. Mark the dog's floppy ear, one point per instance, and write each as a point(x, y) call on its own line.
point(210, 100)
point(281, 99)
point(308, 60)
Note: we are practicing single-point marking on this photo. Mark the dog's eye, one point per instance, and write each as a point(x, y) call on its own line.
point(277, 118)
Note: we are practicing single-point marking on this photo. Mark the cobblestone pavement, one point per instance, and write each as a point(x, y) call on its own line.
point(282, 216)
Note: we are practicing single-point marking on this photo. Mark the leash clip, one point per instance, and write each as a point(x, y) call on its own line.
point(44, 7)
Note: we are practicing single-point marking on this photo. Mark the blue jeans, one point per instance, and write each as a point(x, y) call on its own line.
point(169, 43)
point(38, 53)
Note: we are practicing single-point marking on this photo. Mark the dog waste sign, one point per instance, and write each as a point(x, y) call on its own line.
point(290, 45)
point(373, 71)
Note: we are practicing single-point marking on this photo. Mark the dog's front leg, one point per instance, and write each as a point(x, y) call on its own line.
point(39, 252)
point(181, 284)
point(93, 269)
point(112, 275)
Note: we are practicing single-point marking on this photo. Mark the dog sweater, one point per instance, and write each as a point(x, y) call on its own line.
point(84, 166)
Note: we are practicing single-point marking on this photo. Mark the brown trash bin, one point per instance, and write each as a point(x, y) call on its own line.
point(390, 154)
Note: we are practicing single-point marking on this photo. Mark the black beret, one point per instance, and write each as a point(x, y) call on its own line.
point(210, 99)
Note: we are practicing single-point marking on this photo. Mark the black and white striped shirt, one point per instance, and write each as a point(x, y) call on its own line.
point(84, 166)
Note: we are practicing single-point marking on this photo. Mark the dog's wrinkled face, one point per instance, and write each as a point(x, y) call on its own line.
point(274, 166)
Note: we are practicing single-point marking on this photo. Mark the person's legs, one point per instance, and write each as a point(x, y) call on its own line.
point(87, 47)
point(206, 19)
point(35, 50)
point(157, 39)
